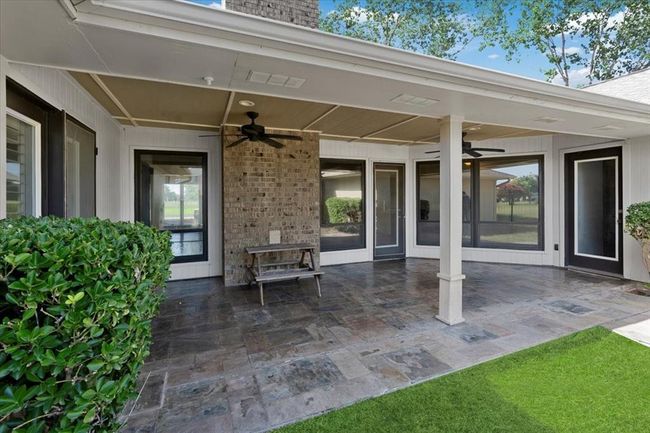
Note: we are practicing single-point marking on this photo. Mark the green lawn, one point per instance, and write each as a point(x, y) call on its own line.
point(173, 209)
point(592, 381)
point(521, 211)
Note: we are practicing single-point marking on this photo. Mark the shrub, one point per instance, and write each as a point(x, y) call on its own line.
point(637, 224)
point(343, 210)
point(76, 300)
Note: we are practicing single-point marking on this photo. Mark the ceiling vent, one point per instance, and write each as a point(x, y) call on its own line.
point(275, 79)
point(547, 119)
point(418, 101)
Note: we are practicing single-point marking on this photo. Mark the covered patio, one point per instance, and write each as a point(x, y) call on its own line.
point(220, 362)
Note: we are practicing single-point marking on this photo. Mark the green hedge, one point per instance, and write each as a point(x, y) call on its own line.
point(637, 221)
point(76, 300)
point(343, 210)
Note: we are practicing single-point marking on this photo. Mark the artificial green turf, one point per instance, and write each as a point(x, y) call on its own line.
point(592, 381)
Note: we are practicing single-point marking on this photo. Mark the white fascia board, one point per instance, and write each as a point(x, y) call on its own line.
point(179, 20)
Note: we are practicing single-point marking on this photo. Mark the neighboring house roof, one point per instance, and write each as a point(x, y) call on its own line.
point(634, 86)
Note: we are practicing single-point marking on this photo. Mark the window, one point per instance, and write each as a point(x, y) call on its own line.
point(502, 203)
point(79, 170)
point(510, 203)
point(428, 203)
point(23, 166)
point(428, 212)
point(342, 205)
point(171, 194)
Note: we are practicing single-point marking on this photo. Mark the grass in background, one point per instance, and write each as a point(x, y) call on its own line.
point(592, 381)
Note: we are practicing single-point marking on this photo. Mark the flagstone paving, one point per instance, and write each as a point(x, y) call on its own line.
point(220, 362)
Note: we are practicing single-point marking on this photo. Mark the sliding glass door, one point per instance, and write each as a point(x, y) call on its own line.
point(79, 170)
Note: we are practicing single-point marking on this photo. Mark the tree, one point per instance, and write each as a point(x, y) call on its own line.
point(529, 183)
point(434, 27)
point(510, 192)
point(599, 39)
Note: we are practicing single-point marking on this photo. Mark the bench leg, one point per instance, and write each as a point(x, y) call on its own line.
point(317, 278)
point(261, 293)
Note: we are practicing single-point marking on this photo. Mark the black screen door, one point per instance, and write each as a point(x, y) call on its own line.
point(594, 210)
point(171, 194)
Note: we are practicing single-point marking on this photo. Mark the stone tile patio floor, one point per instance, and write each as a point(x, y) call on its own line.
point(220, 362)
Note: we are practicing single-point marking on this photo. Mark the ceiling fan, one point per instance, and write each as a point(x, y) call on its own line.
point(472, 151)
point(255, 132)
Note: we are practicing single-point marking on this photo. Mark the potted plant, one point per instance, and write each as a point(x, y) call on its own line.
point(637, 224)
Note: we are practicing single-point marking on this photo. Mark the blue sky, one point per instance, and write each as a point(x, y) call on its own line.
point(529, 64)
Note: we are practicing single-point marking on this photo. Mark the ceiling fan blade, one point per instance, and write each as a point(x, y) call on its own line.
point(233, 135)
point(284, 136)
point(271, 142)
point(488, 149)
point(432, 151)
point(236, 142)
point(209, 135)
point(472, 152)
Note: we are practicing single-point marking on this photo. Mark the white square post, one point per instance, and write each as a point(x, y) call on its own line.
point(450, 309)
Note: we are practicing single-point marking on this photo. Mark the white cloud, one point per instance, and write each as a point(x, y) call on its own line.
point(493, 56)
point(360, 14)
point(612, 21)
point(572, 50)
point(577, 77)
point(215, 5)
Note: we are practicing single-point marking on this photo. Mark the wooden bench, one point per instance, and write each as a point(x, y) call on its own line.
point(269, 272)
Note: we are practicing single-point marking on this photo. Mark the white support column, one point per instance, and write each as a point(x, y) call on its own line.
point(450, 310)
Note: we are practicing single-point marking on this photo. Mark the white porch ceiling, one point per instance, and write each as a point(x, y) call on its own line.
point(138, 39)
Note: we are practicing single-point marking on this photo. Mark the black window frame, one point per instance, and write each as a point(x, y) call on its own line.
point(80, 124)
point(363, 229)
point(475, 221)
point(204, 214)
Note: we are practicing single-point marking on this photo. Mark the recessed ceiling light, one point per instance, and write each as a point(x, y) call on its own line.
point(547, 119)
point(474, 128)
point(418, 101)
point(246, 103)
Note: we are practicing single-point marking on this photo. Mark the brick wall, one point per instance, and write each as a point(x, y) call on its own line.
point(301, 12)
point(265, 189)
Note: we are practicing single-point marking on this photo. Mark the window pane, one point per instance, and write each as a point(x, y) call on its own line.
point(171, 197)
point(342, 212)
point(21, 138)
point(596, 207)
point(510, 203)
point(79, 171)
point(428, 202)
point(468, 204)
point(386, 208)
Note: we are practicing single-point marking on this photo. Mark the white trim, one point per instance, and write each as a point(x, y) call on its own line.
point(36, 163)
point(576, 190)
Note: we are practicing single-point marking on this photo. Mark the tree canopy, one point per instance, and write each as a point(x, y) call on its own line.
point(583, 40)
point(434, 27)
